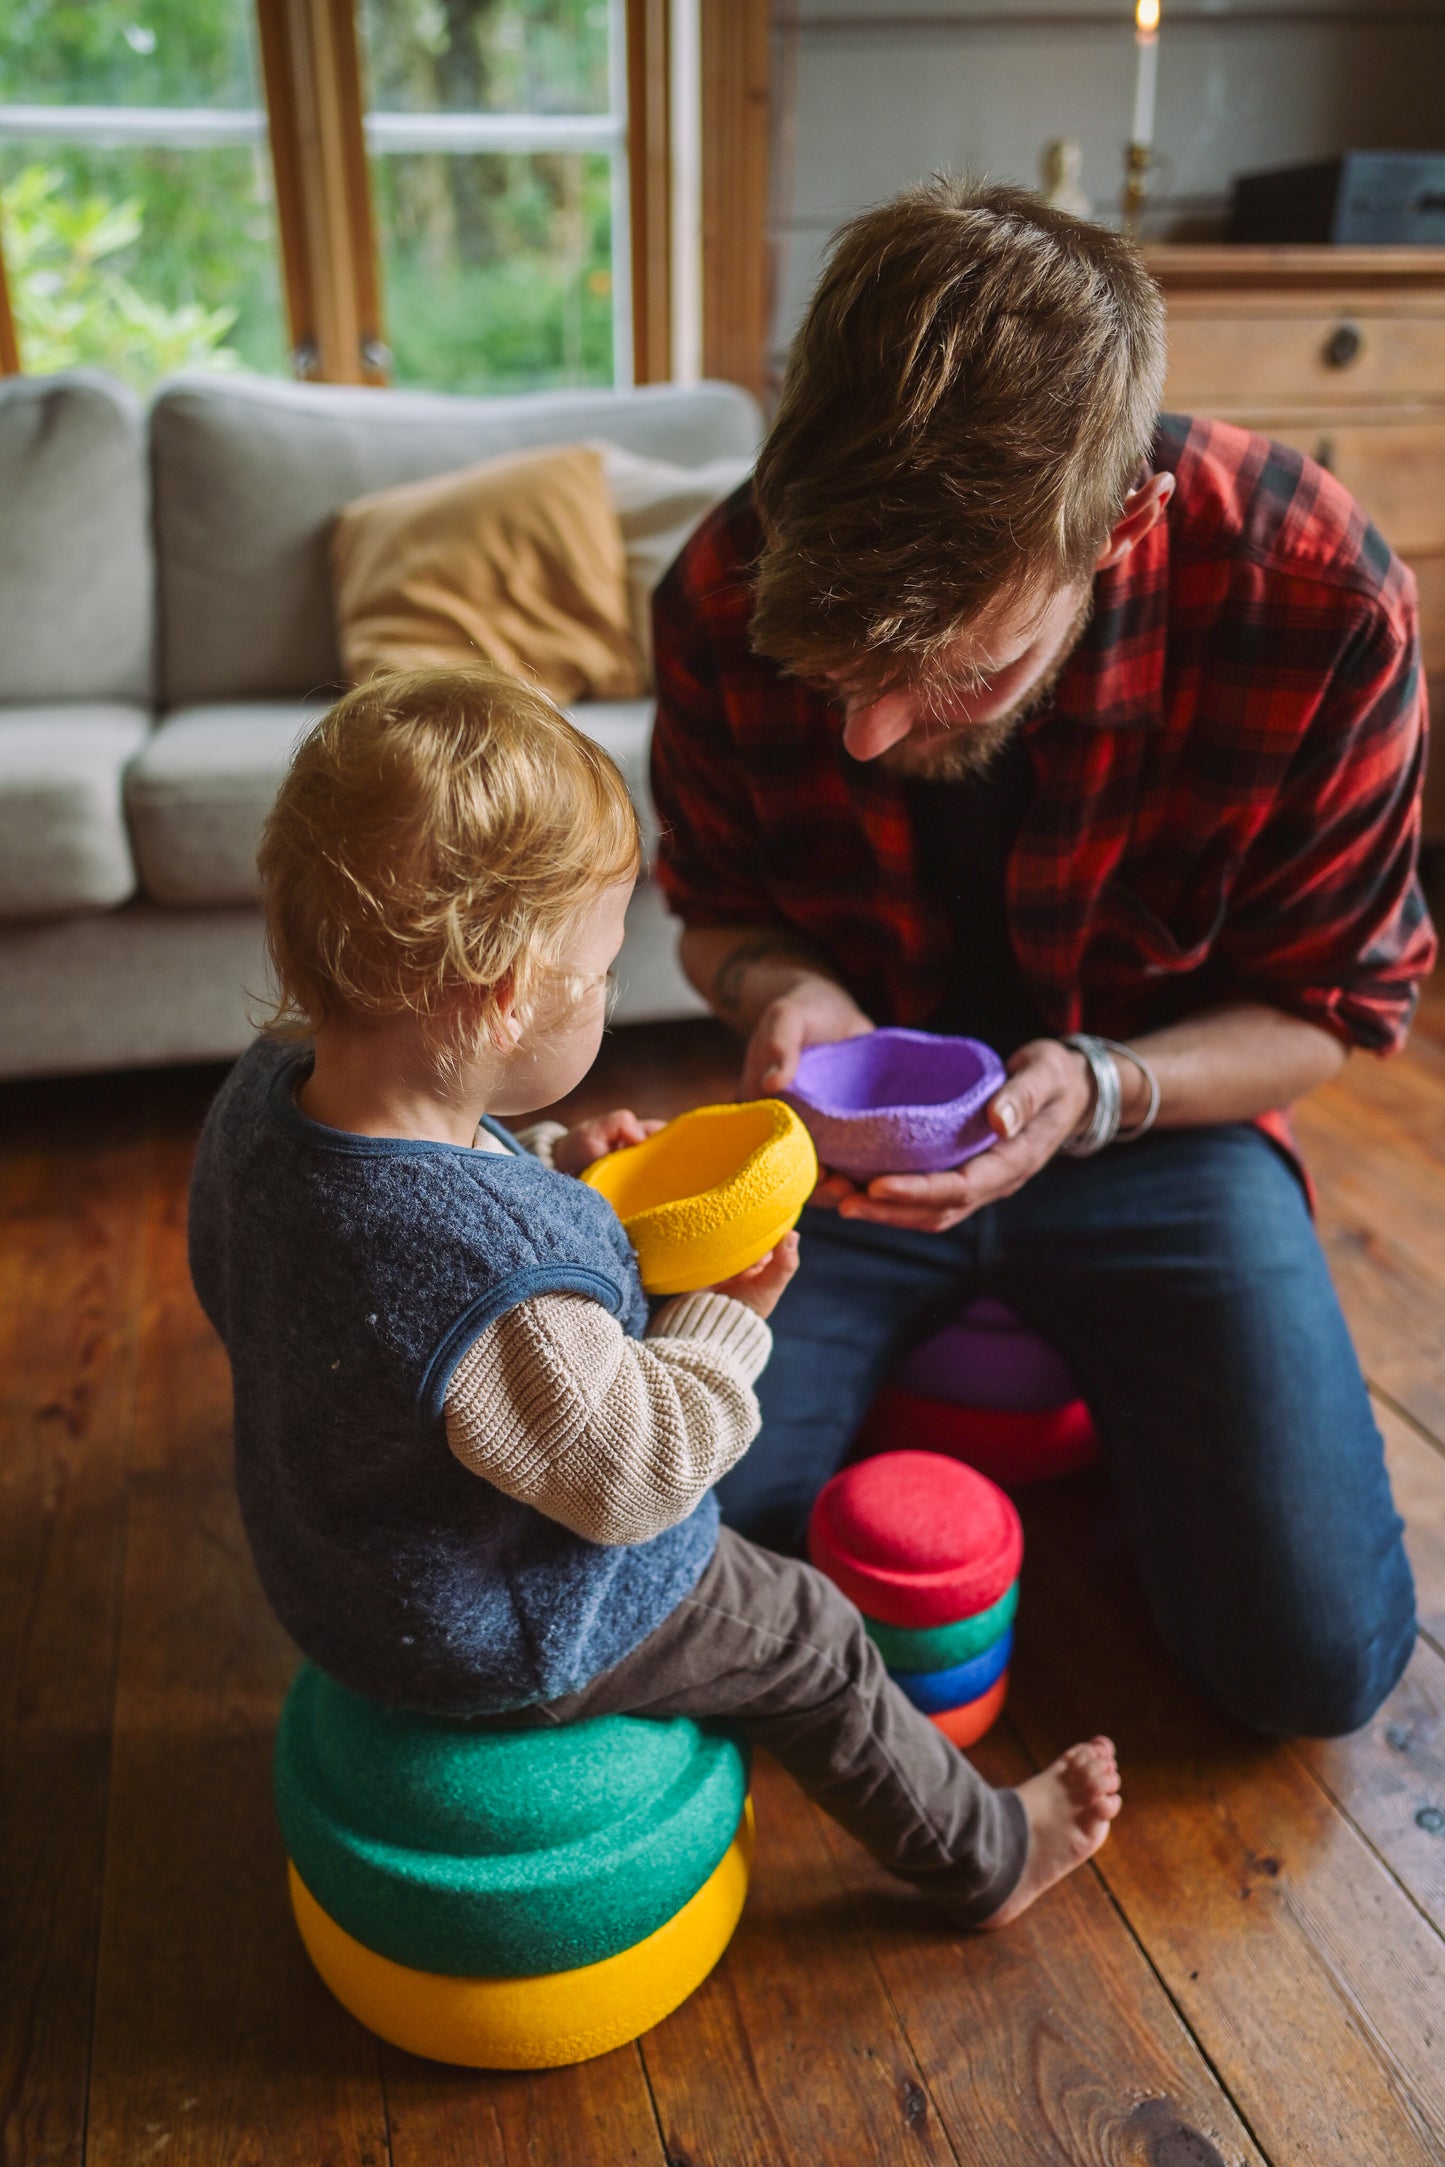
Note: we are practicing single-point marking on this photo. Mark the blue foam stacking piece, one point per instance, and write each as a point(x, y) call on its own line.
point(935, 1691)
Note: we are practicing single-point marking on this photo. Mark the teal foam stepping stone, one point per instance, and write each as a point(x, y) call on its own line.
point(480, 1852)
point(940, 1647)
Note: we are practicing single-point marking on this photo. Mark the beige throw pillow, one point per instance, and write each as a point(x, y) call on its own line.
point(518, 561)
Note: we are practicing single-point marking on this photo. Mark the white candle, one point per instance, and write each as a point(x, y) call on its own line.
point(1146, 42)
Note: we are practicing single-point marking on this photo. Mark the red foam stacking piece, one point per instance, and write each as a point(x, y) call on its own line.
point(1011, 1446)
point(967, 1724)
point(915, 1538)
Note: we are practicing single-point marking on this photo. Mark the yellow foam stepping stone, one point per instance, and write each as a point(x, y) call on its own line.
point(541, 2022)
point(711, 1193)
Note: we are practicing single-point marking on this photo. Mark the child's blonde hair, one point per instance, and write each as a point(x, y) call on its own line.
point(437, 837)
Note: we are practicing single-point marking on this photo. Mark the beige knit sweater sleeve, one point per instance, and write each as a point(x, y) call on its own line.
point(615, 1437)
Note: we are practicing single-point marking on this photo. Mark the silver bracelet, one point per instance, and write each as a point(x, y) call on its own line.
point(1102, 1125)
point(1151, 1111)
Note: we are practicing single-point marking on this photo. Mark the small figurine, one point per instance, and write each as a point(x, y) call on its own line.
point(1060, 165)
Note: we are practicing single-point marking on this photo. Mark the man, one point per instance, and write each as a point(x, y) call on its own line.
point(997, 705)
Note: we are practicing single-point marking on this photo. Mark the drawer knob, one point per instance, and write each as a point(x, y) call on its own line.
point(1343, 346)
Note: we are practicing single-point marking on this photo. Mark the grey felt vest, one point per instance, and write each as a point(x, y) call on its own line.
point(347, 1275)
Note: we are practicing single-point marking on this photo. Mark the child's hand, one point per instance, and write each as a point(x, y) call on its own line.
point(761, 1286)
point(594, 1139)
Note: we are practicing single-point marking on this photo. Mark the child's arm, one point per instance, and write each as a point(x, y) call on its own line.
point(615, 1437)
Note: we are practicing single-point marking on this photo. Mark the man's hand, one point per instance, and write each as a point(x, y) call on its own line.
point(813, 1012)
point(1047, 1097)
point(772, 990)
point(595, 1138)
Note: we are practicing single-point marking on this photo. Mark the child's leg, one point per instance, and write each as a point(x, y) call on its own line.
point(770, 1644)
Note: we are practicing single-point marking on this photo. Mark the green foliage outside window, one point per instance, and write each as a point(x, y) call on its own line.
point(71, 304)
point(497, 269)
point(131, 257)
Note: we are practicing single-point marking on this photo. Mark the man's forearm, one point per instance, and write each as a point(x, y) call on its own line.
point(1229, 1065)
point(739, 970)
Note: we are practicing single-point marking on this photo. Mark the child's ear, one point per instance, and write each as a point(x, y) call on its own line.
point(507, 1025)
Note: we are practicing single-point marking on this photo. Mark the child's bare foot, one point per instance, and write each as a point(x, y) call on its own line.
point(1070, 1806)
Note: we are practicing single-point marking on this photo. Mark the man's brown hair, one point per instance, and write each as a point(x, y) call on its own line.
point(967, 405)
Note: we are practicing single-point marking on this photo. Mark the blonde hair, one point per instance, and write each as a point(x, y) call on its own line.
point(436, 839)
point(970, 399)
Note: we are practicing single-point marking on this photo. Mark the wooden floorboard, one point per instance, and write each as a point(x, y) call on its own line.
point(792, 2050)
point(1254, 1973)
point(213, 2041)
point(1052, 2042)
point(1299, 1964)
point(68, 1307)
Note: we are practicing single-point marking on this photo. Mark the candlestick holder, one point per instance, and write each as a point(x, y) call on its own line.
point(1139, 163)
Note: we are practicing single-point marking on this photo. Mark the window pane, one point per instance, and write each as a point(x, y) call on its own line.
point(497, 269)
point(127, 52)
point(487, 56)
point(498, 170)
point(135, 206)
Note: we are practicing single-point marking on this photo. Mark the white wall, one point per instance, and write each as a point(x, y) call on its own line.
point(885, 91)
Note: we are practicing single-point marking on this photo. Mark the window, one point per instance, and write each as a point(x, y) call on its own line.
point(453, 193)
point(135, 187)
point(497, 141)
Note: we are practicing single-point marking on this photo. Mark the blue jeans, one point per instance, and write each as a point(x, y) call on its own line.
point(1182, 1280)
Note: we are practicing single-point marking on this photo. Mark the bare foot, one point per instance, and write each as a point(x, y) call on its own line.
point(1070, 1806)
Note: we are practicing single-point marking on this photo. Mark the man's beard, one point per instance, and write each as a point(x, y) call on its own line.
point(944, 752)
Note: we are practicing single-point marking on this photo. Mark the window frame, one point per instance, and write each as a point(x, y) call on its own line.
point(318, 133)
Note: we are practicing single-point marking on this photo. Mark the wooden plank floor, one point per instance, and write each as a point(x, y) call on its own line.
point(1254, 1971)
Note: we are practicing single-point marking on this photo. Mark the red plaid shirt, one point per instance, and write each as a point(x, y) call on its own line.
point(1227, 776)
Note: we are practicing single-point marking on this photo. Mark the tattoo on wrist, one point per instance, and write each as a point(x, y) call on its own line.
point(727, 985)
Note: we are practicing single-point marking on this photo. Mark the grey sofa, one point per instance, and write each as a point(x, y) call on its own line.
point(165, 633)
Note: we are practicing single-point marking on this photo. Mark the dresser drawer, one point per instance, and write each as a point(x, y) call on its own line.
point(1328, 357)
point(1430, 576)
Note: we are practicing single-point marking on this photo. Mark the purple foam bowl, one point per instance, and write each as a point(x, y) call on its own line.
point(987, 1358)
point(897, 1102)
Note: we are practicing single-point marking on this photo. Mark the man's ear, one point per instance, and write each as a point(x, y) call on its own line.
point(1143, 508)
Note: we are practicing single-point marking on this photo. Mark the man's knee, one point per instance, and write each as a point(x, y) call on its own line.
point(1325, 1689)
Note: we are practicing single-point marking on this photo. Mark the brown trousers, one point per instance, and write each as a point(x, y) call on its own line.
point(770, 1646)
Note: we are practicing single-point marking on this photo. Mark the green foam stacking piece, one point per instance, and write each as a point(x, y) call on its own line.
point(943, 1647)
point(498, 1853)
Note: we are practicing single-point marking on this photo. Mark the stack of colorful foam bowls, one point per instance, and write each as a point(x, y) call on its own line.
point(508, 1899)
point(986, 1389)
point(930, 1551)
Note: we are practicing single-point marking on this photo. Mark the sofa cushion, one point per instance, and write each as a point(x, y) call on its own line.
point(199, 792)
point(249, 475)
point(76, 587)
point(206, 778)
point(63, 845)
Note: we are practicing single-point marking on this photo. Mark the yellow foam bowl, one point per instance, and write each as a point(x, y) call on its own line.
point(537, 2023)
point(711, 1193)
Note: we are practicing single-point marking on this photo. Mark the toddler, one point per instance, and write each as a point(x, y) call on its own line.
point(477, 1474)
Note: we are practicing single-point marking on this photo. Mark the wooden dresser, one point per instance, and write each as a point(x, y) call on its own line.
point(1340, 352)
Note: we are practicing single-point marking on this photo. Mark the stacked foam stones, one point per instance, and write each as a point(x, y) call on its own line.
point(508, 1899)
point(930, 1551)
point(988, 1390)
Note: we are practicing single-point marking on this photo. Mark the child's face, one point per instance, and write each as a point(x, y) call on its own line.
point(561, 1040)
